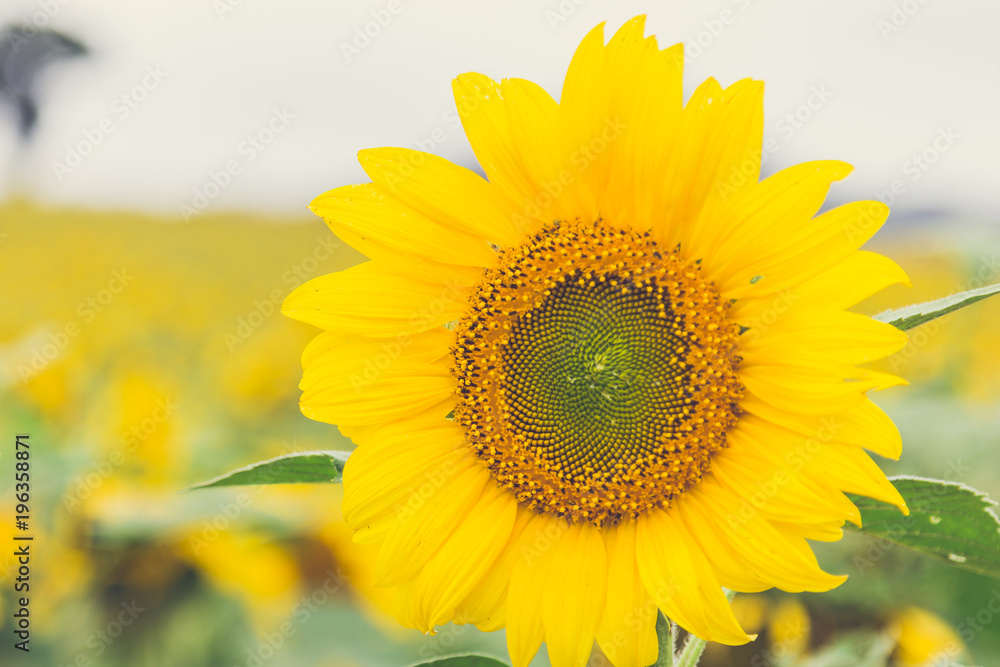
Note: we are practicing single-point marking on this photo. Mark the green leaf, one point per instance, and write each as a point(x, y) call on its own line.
point(463, 660)
point(857, 649)
point(948, 521)
point(921, 313)
point(297, 468)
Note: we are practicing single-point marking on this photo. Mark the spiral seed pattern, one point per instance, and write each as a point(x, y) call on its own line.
point(596, 373)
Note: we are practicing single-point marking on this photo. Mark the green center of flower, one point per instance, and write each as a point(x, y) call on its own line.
point(596, 373)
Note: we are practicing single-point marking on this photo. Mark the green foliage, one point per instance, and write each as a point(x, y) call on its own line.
point(297, 468)
point(857, 649)
point(463, 660)
point(951, 522)
point(921, 313)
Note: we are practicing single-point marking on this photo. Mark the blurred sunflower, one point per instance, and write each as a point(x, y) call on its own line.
point(788, 629)
point(616, 376)
point(924, 639)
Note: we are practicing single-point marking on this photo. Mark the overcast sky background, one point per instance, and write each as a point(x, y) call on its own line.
point(893, 75)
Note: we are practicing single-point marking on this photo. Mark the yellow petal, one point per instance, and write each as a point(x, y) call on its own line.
point(779, 491)
point(645, 112)
point(863, 425)
point(804, 252)
point(852, 470)
point(442, 191)
point(486, 604)
point(534, 126)
point(731, 570)
point(813, 388)
point(784, 559)
point(373, 300)
point(719, 131)
point(817, 531)
point(846, 338)
point(584, 111)
point(678, 577)
point(731, 165)
point(528, 579)
point(575, 591)
point(464, 558)
point(845, 284)
point(483, 110)
point(627, 633)
point(366, 212)
point(362, 381)
point(771, 217)
point(421, 530)
point(390, 475)
point(766, 466)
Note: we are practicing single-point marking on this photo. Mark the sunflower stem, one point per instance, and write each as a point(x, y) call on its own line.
point(695, 646)
point(666, 637)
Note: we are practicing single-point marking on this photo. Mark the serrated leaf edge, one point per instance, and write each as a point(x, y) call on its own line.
point(988, 503)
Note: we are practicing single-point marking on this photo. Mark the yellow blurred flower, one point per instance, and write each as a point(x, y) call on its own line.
point(51, 552)
point(358, 563)
point(262, 372)
point(135, 345)
point(789, 628)
point(250, 567)
point(145, 428)
point(924, 639)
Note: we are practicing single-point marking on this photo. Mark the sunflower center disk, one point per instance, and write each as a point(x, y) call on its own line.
point(596, 373)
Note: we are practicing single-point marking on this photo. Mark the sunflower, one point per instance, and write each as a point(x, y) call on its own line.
point(615, 376)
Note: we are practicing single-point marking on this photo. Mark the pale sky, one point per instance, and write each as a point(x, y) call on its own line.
point(874, 82)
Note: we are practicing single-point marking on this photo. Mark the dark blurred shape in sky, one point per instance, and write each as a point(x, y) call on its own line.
point(23, 55)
